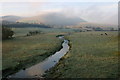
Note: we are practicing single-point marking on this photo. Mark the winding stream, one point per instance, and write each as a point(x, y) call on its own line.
point(39, 69)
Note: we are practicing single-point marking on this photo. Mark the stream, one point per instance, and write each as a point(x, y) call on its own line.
point(36, 71)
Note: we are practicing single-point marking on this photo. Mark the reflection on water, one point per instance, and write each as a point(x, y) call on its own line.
point(39, 69)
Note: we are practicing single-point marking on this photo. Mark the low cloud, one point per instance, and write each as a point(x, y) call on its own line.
point(105, 14)
point(61, 19)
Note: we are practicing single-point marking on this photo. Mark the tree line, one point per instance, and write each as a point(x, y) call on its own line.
point(24, 25)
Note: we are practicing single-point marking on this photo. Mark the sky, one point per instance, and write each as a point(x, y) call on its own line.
point(97, 11)
point(59, 0)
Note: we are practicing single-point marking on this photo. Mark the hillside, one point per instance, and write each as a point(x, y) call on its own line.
point(55, 19)
point(10, 18)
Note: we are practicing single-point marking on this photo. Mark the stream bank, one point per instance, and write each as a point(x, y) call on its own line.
point(36, 71)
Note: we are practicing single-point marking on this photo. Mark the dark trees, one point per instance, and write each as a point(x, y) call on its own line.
point(7, 33)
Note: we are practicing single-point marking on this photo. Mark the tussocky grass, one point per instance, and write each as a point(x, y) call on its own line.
point(92, 55)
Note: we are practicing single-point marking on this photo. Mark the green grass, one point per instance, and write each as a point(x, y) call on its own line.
point(24, 31)
point(22, 52)
point(92, 55)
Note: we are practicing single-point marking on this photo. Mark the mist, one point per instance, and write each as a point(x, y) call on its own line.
point(66, 13)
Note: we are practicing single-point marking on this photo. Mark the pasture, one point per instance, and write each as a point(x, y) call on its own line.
point(24, 51)
point(92, 55)
point(24, 31)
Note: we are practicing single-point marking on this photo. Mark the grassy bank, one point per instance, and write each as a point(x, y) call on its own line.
point(92, 55)
point(22, 52)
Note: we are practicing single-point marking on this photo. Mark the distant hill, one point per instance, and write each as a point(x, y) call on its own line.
point(12, 21)
point(55, 19)
point(10, 18)
point(25, 25)
point(51, 19)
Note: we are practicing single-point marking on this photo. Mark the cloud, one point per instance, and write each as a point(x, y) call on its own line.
point(59, 0)
point(103, 13)
point(106, 14)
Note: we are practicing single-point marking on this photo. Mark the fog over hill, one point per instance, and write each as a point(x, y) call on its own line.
point(10, 18)
point(56, 19)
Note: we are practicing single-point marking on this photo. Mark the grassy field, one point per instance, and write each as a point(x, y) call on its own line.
point(24, 31)
point(21, 52)
point(92, 55)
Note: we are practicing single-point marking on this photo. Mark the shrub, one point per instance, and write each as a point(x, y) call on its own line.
point(7, 33)
point(34, 33)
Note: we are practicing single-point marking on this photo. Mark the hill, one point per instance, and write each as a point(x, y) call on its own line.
point(55, 19)
point(10, 18)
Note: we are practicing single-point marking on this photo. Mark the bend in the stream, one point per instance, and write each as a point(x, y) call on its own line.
point(39, 69)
